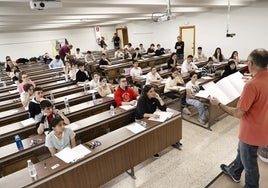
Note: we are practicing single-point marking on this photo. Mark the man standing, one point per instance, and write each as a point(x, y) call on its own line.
point(116, 41)
point(179, 46)
point(65, 51)
point(252, 111)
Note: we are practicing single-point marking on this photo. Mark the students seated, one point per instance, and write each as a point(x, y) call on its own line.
point(9, 64)
point(230, 68)
point(135, 71)
point(199, 56)
point(153, 77)
point(81, 75)
point(124, 95)
point(159, 51)
point(172, 61)
point(209, 69)
point(24, 79)
point(127, 53)
point(95, 82)
point(89, 57)
point(105, 88)
point(148, 102)
point(192, 88)
point(175, 78)
point(34, 105)
point(48, 114)
point(16, 76)
point(142, 49)
point(235, 57)
point(71, 69)
point(56, 63)
point(104, 62)
point(129, 48)
point(151, 49)
point(60, 137)
point(136, 55)
point(78, 54)
point(218, 56)
point(188, 65)
point(118, 54)
point(27, 95)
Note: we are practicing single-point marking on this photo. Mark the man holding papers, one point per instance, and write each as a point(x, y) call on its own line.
point(252, 111)
point(60, 137)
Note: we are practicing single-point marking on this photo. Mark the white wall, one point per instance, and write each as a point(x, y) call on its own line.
point(249, 24)
point(31, 44)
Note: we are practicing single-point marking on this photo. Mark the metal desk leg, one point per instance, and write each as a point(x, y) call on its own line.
point(132, 173)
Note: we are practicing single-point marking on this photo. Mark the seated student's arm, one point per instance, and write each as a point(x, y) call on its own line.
point(73, 142)
point(101, 92)
point(190, 94)
point(25, 99)
point(161, 105)
point(52, 151)
point(65, 119)
point(49, 145)
point(111, 88)
point(50, 65)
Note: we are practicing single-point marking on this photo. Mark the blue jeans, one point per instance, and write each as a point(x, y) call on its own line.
point(200, 107)
point(180, 56)
point(246, 159)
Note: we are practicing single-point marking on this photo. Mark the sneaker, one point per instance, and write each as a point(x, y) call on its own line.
point(225, 170)
point(156, 156)
point(201, 121)
point(186, 111)
point(177, 145)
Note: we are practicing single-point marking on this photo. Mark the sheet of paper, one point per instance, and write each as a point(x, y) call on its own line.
point(207, 77)
point(163, 116)
point(73, 126)
point(127, 107)
point(202, 94)
point(82, 150)
point(111, 95)
point(13, 91)
point(28, 122)
point(71, 155)
point(92, 91)
point(135, 128)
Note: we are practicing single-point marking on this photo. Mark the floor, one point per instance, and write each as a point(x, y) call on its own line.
point(192, 167)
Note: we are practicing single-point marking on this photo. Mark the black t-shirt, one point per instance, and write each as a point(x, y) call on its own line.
point(149, 106)
point(81, 76)
point(169, 63)
point(134, 56)
point(103, 62)
point(179, 51)
point(160, 52)
point(116, 40)
point(150, 50)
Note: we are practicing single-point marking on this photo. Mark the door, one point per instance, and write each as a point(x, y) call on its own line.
point(123, 35)
point(187, 34)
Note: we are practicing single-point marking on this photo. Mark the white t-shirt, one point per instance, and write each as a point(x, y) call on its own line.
point(23, 97)
point(193, 87)
point(94, 84)
point(136, 72)
point(150, 77)
point(187, 66)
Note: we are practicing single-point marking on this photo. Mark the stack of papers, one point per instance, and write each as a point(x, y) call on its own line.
point(111, 95)
point(163, 116)
point(71, 155)
point(135, 128)
point(28, 122)
point(207, 77)
point(127, 107)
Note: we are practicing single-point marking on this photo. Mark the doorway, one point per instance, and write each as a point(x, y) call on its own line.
point(123, 35)
point(187, 34)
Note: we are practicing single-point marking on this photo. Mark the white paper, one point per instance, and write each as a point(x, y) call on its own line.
point(206, 77)
point(13, 91)
point(164, 81)
point(72, 126)
point(127, 107)
point(92, 91)
point(111, 95)
point(202, 94)
point(71, 155)
point(28, 122)
point(135, 128)
point(163, 116)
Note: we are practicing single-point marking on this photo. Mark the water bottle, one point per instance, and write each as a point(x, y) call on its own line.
point(18, 142)
point(112, 110)
point(66, 77)
point(52, 97)
point(4, 84)
point(85, 88)
point(66, 103)
point(93, 97)
point(161, 68)
point(31, 169)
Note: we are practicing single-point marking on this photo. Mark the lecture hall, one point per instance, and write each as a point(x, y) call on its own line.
point(136, 94)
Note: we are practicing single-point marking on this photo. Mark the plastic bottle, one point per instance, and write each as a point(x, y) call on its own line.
point(18, 142)
point(52, 97)
point(112, 110)
point(66, 77)
point(161, 68)
point(31, 169)
point(4, 84)
point(66, 103)
point(85, 88)
point(93, 97)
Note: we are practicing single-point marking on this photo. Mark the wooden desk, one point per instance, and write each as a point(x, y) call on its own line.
point(120, 151)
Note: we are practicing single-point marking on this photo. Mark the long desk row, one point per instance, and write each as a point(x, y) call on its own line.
point(120, 150)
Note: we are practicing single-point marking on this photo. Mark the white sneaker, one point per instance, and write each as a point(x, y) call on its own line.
point(185, 110)
point(201, 121)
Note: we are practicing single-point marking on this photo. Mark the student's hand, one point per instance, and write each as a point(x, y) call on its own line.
point(156, 116)
point(214, 101)
point(157, 96)
point(133, 102)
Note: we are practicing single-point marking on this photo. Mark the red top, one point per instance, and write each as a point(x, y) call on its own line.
point(126, 95)
point(254, 101)
point(64, 49)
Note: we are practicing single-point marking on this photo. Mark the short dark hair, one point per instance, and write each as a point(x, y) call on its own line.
point(173, 69)
point(80, 64)
point(259, 57)
point(230, 62)
point(135, 61)
point(158, 45)
point(210, 59)
point(55, 121)
point(120, 77)
point(45, 103)
point(190, 56)
point(137, 48)
point(152, 45)
point(89, 52)
point(27, 86)
point(57, 57)
point(103, 77)
point(199, 48)
point(38, 89)
point(77, 49)
point(193, 73)
point(146, 89)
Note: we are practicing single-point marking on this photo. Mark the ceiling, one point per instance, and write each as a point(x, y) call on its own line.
point(16, 15)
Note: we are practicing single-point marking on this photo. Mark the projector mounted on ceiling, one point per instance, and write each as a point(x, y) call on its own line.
point(162, 16)
point(45, 4)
